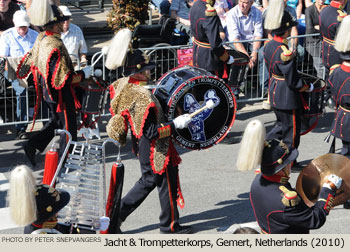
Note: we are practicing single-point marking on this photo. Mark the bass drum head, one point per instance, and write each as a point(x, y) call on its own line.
point(189, 93)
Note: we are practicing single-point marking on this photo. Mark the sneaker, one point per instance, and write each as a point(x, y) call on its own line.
point(179, 230)
point(21, 134)
point(30, 153)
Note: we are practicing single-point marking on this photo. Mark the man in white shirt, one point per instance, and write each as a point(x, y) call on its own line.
point(16, 42)
point(73, 38)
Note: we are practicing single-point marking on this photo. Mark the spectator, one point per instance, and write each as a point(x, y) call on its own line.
point(164, 8)
point(221, 8)
point(313, 44)
point(231, 4)
point(244, 22)
point(73, 38)
point(179, 11)
point(308, 3)
point(297, 5)
point(15, 42)
point(7, 9)
point(259, 4)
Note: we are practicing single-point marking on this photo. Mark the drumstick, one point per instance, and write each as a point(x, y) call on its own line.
point(208, 105)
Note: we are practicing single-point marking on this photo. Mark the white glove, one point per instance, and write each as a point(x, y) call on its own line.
point(94, 132)
point(230, 60)
point(182, 121)
point(104, 223)
point(334, 179)
point(87, 71)
point(310, 88)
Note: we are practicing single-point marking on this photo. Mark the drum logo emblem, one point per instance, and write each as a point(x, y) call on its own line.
point(196, 126)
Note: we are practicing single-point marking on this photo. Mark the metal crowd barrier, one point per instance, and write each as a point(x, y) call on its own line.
point(165, 57)
point(86, 5)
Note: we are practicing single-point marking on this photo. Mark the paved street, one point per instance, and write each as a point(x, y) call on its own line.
point(216, 194)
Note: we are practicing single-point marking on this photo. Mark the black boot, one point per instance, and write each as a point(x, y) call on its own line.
point(29, 150)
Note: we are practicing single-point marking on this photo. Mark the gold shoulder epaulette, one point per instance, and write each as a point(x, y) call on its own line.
point(287, 54)
point(341, 15)
point(333, 68)
point(210, 11)
point(290, 198)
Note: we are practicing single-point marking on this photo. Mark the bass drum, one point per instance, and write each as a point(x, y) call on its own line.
point(313, 103)
point(187, 89)
point(238, 68)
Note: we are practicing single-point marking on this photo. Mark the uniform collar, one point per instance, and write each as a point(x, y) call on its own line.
point(50, 33)
point(345, 68)
point(337, 5)
point(137, 82)
point(276, 178)
point(280, 39)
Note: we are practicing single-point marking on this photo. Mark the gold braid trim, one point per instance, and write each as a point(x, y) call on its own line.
point(41, 52)
point(290, 198)
point(134, 101)
point(286, 55)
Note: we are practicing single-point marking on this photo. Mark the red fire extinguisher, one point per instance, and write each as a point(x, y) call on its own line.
point(51, 162)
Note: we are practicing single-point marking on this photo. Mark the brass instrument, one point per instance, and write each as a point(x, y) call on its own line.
point(312, 177)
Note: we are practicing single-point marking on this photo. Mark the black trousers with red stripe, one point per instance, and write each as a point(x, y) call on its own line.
point(287, 127)
point(166, 184)
point(62, 120)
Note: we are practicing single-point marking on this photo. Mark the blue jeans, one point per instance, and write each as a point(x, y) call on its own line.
point(263, 71)
point(21, 110)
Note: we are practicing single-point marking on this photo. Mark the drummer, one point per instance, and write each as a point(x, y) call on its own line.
point(339, 84)
point(151, 136)
point(277, 207)
point(208, 52)
point(285, 82)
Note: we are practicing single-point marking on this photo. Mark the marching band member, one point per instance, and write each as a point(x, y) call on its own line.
point(285, 84)
point(208, 52)
point(339, 84)
point(36, 206)
point(329, 20)
point(277, 207)
point(151, 135)
point(54, 76)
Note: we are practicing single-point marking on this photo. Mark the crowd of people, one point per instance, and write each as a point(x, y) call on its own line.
point(209, 23)
point(18, 35)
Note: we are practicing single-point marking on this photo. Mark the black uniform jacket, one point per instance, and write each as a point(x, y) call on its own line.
point(274, 217)
point(329, 23)
point(207, 44)
point(285, 82)
point(339, 82)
